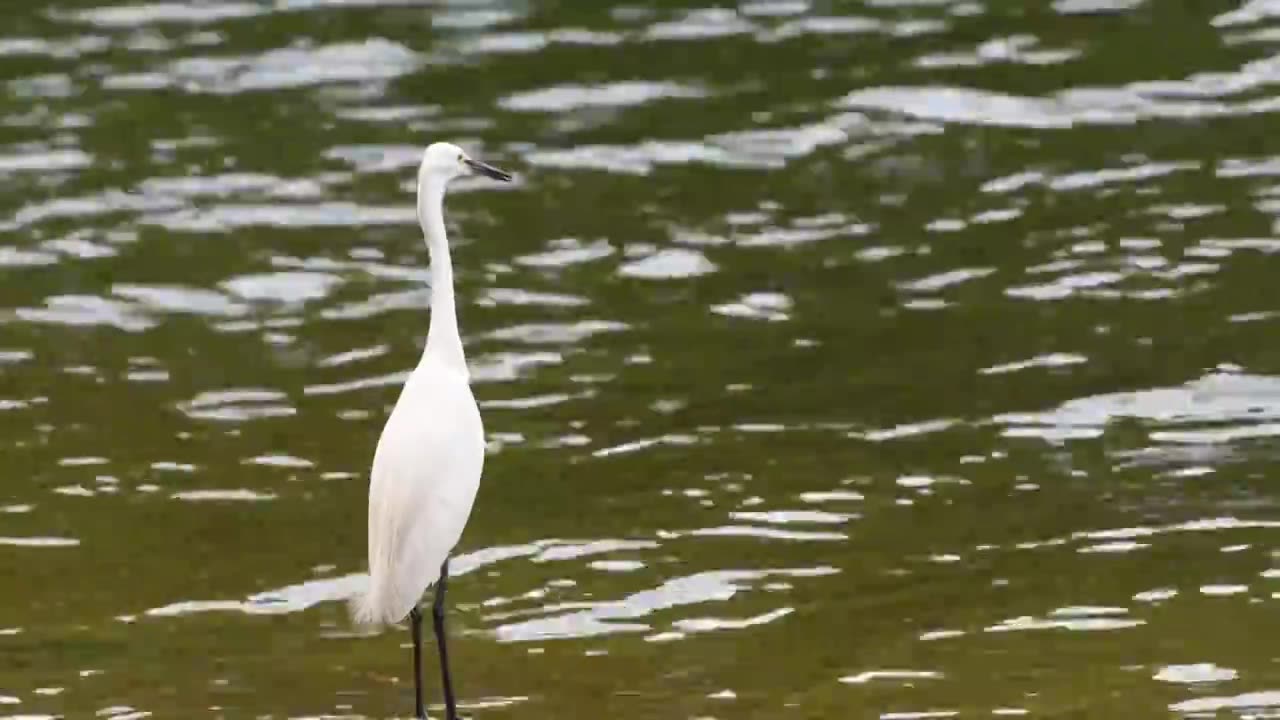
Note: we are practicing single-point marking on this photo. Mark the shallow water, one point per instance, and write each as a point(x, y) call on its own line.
point(890, 359)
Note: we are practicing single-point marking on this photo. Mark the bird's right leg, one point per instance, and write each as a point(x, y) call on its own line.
point(437, 615)
point(415, 626)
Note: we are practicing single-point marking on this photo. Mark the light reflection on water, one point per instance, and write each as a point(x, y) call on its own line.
point(890, 356)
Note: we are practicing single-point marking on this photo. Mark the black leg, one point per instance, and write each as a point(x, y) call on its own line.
point(437, 615)
point(415, 626)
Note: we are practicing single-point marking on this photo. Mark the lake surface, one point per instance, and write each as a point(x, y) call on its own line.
point(884, 359)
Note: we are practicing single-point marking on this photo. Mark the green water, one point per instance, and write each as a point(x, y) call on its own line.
point(885, 359)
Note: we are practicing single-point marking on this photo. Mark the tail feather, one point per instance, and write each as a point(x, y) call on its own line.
point(382, 602)
point(366, 610)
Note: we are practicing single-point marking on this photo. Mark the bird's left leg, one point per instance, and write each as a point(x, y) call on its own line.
point(437, 616)
point(415, 627)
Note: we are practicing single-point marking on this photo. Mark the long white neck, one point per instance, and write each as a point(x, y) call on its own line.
point(443, 341)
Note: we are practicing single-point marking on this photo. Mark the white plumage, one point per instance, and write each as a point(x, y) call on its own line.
point(426, 469)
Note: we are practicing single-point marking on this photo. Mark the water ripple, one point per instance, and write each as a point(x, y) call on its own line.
point(563, 98)
point(1218, 407)
point(237, 404)
point(622, 616)
point(129, 16)
point(375, 59)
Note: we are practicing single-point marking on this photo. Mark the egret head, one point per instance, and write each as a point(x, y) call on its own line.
point(444, 161)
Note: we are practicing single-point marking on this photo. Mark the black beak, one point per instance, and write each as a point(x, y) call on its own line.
point(487, 170)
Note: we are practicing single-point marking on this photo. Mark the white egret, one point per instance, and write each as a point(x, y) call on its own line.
point(426, 468)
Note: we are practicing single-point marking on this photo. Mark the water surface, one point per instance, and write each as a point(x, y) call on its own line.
point(885, 359)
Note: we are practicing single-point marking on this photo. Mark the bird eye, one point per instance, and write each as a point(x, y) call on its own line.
point(461, 157)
